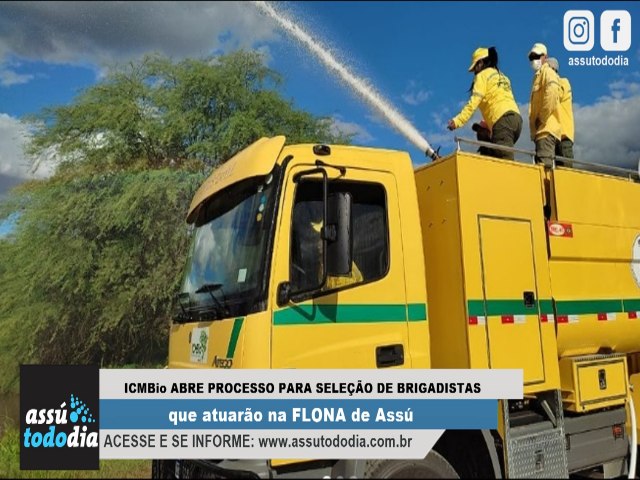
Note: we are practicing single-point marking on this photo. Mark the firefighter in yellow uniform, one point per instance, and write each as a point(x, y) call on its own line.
point(491, 92)
point(544, 106)
point(565, 147)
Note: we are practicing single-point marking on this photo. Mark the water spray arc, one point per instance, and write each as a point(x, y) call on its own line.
point(366, 92)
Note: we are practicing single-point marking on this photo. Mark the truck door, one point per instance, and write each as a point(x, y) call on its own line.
point(510, 297)
point(355, 321)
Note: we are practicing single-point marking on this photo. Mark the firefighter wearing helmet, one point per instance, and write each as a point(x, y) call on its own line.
point(491, 92)
point(544, 106)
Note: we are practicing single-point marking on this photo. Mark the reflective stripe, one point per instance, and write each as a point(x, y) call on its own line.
point(514, 319)
point(567, 318)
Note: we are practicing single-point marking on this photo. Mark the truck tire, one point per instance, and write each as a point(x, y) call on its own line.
point(162, 469)
point(432, 466)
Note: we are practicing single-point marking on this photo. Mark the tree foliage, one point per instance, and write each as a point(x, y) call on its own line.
point(159, 113)
point(89, 275)
point(89, 272)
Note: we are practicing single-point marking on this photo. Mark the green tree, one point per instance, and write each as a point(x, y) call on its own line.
point(89, 272)
point(159, 113)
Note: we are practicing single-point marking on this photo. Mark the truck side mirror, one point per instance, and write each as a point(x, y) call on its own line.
point(338, 234)
point(283, 294)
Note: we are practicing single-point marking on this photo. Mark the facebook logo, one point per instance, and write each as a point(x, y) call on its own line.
point(615, 30)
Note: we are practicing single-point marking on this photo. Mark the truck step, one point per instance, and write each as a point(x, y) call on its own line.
point(537, 450)
point(539, 455)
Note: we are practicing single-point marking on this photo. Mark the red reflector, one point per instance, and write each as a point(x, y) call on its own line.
point(544, 318)
point(633, 314)
point(563, 319)
point(602, 316)
point(507, 318)
point(618, 431)
point(473, 320)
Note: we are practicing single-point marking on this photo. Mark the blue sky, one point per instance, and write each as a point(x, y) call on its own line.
point(415, 53)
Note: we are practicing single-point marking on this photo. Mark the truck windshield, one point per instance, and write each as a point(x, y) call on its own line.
point(225, 271)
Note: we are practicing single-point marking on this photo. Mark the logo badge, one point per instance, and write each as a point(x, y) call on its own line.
point(578, 30)
point(59, 417)
point(615, 30)
point(560, 229)
point(199, 345)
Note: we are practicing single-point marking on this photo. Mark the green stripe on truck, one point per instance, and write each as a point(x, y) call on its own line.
point(316, 314)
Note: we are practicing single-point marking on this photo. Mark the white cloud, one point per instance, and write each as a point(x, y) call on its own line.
point(9, 77)
point(414, 94)
point(360, 134)
point(99, 33)
point(13, 162)
point(525, 142)
point(623, 88)
point(607, 132)
point(440, 118)
point(377, 118)
point(13, 136)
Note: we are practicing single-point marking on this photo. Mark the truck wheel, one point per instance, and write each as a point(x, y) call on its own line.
point(162, 469)
point(433, 466)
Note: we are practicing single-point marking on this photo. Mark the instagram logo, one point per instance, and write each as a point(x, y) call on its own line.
point(578, 30)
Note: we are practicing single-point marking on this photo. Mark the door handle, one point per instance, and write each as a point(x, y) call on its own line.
point(529, 299)
point(389, 356)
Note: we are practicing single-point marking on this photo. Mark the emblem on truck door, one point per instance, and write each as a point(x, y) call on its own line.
point(635, 260)
point(199, 345)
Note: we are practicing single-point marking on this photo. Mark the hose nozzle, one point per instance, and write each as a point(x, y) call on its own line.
point(433, 154)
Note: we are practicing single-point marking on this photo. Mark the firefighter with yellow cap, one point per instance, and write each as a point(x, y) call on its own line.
point(544, 106)
point(564, 148)
point(491, 92)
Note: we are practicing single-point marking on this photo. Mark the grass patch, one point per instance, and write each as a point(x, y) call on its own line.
point(10, 464)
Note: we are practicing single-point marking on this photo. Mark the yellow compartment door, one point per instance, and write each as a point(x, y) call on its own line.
point(510, 297)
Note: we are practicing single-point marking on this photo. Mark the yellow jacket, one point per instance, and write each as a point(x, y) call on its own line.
point(544, 106)
point(566, 110)
point(492, 93)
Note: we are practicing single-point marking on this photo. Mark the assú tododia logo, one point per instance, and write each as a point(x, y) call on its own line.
point(76, 413)
point(59, 417)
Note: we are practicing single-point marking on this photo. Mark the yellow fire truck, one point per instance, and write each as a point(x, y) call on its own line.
point(316, 256)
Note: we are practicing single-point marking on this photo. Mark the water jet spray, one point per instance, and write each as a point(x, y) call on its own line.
point(359, 85)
